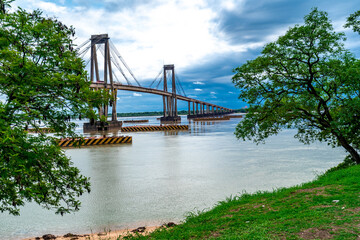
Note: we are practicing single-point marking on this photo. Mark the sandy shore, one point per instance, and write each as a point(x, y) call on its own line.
point(111, 235)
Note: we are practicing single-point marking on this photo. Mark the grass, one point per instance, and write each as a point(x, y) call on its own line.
point(326, 208)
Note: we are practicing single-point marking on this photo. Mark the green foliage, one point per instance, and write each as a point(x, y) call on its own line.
point(304, 80)
point(42, 83)
point(4, 4)
point(354, 22)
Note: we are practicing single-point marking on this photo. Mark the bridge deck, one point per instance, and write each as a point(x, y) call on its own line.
point(152, 91)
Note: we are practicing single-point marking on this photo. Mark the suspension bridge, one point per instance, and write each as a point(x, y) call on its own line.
point(115, 64)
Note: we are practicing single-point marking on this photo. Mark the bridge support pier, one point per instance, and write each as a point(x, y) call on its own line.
point(201, 109)
point(170, 103)
point(114, 113)
point(103, 124)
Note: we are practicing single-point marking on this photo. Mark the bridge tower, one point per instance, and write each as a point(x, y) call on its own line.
point(107, 82)
point(108, 76)
point(170, 103)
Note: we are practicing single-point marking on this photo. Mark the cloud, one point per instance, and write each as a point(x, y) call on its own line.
point(213, 95)
point(198, 89)
point(229, 4)
point(198, 83)
point(205, 39)
point(261, 19)
point(118, 5)
point(223, 79)
point(147, 33)
point(51, 9)
point(137, 94)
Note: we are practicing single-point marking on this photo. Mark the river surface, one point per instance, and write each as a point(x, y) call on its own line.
point(163, 176)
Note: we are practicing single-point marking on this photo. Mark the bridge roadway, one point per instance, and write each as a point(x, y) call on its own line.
point(119, 86)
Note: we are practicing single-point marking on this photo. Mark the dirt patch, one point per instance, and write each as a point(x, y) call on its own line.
point(238, 209)
point(317, 191)
point(227, 216)
point(353, 210)
point(315, 233)
point(215, 235)
point(259, 206)
point(266, 208)
point(321, 206)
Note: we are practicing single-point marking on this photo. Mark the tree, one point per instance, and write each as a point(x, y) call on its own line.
point(42, 82)
point(3, 4)
point(305, 80)
point(354, 22)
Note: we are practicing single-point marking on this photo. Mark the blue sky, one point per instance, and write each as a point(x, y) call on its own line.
point(205, 40)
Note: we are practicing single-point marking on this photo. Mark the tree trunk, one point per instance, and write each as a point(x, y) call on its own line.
point(2, 7)
point(354, 154)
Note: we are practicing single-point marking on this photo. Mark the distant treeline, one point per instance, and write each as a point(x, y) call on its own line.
point(182, 112)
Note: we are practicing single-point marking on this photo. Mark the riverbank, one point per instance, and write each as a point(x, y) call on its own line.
point(326, 208)
point(108, 234)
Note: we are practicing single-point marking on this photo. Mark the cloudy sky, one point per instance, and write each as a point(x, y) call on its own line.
point(204, 39)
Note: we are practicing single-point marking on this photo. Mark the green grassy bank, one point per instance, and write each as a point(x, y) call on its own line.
point(326, 208)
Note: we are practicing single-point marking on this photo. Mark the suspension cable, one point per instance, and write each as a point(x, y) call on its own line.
point(156, 78)
point(178, 80)
point(83, 44)
point(123, 61)
point(82, 54)
point(161, 79)
point(102, 50)
point(88, 60)
point(117, 65)
point(84, 50)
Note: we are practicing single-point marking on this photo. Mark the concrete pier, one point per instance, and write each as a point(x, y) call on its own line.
point(100, 126)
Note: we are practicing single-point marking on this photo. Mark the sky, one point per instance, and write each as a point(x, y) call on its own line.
point(204, 39)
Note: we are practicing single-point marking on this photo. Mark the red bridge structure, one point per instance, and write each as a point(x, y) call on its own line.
point(111, 57)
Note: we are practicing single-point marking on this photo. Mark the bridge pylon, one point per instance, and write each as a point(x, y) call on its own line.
point(107, 81)
point(94, 71)
point(170, 102)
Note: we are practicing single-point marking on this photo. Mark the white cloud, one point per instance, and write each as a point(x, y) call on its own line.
point(3, 98)
point(212, 92)
point(49, 8)
point(198, 83)
point(198, 89)
point(223, 79)
point(137, 94)
point(124, 97)
point(147, 36)
point(231, 4)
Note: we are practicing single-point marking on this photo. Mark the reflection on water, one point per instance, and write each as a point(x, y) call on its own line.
point(162, 176)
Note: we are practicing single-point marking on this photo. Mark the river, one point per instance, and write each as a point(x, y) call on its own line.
point(163, 176)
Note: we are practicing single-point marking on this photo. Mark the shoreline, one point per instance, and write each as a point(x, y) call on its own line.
point(108, 235)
